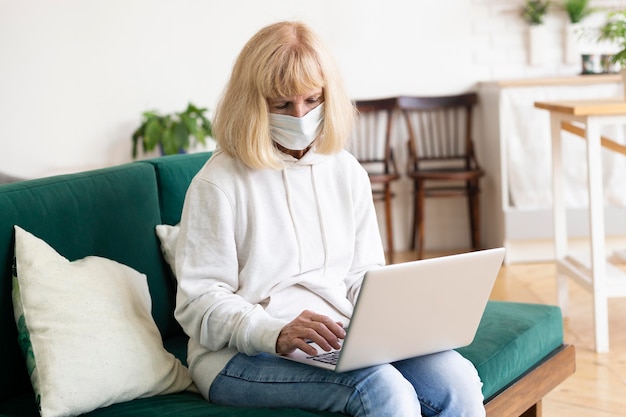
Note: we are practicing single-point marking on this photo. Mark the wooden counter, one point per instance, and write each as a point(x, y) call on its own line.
point(555, 81)
point(586, 107)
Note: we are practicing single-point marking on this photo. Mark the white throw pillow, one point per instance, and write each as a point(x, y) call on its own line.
point(168, 236)
point(87, 332)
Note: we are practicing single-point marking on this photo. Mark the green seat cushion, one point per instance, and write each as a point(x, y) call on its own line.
point(511, 338)
point(192, 405)
point(174, 173)
point(184, 404)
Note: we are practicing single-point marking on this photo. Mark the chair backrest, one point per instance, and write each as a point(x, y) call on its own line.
point(371, 137)
point(439, 129)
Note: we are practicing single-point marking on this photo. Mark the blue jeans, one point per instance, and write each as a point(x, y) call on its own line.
point(443, 384)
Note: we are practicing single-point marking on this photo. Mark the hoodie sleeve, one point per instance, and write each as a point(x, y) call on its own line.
point(207, 306)
point(368, 252)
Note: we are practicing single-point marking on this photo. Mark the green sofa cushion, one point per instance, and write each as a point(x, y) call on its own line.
point(511, 338)
point(192, 405)
point(184, 404)
point(174, 173)
point(177, 346)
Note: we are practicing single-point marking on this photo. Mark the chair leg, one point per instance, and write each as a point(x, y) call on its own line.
point(419, 217)
point(415, 213)
point(389, 222)
point(473, 198)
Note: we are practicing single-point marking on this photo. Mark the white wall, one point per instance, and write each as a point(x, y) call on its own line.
point(75, 75)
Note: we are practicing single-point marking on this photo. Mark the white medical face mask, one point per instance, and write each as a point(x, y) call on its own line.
point(296, 133)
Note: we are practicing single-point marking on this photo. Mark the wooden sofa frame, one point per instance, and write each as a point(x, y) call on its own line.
point(523, 397)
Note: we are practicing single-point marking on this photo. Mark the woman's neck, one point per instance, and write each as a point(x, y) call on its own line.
point(296, 154)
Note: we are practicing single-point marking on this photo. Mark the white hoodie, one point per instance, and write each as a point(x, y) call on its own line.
point(257, 247)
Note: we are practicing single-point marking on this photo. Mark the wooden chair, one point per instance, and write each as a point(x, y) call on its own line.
point(371, 145)
point(441, 157)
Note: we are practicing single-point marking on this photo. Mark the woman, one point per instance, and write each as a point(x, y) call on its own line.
point(278, 229)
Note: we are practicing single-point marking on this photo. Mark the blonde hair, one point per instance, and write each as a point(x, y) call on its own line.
point(281, 60)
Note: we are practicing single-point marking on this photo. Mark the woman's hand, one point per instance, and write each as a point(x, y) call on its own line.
point(310, 327)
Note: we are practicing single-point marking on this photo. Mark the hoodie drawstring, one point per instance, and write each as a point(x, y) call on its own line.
point(319, 215)
point(291, 214)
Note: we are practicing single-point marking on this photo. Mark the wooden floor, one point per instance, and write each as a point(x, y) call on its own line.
point(598, 388)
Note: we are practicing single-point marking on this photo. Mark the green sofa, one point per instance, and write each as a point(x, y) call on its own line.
point(112, 212)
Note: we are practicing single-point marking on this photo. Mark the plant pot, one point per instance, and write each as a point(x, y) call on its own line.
point(571, 54)
point(162, 151)
point(537, 37)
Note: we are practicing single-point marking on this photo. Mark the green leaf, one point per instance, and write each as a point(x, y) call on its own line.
point(207, 126)
point(137, 135)
point(169, 142)
point(620, 57)
point(181, 134)
point(153, 134)
point(190, 123)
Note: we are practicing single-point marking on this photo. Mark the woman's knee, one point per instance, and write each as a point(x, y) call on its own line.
point(383, 391)
point(446, 383)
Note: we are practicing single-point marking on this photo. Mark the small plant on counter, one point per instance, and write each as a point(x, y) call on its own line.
point(173, 132)
point(533, 11)
point(577, 10)
point(614, 30)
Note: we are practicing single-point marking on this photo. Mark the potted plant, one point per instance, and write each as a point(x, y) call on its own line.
point(172, 133)
point(576, 11)
point(614, 31)
point(533, 12)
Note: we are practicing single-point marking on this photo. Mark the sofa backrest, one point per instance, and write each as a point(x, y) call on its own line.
point(111, 213)
point(174, 173)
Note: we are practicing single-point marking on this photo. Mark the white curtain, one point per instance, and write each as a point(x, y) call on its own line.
point(526, 132)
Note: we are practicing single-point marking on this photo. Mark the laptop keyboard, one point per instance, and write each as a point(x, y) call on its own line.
point(327, 357)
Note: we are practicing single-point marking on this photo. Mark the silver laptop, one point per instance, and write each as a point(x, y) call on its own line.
point(412, 309)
